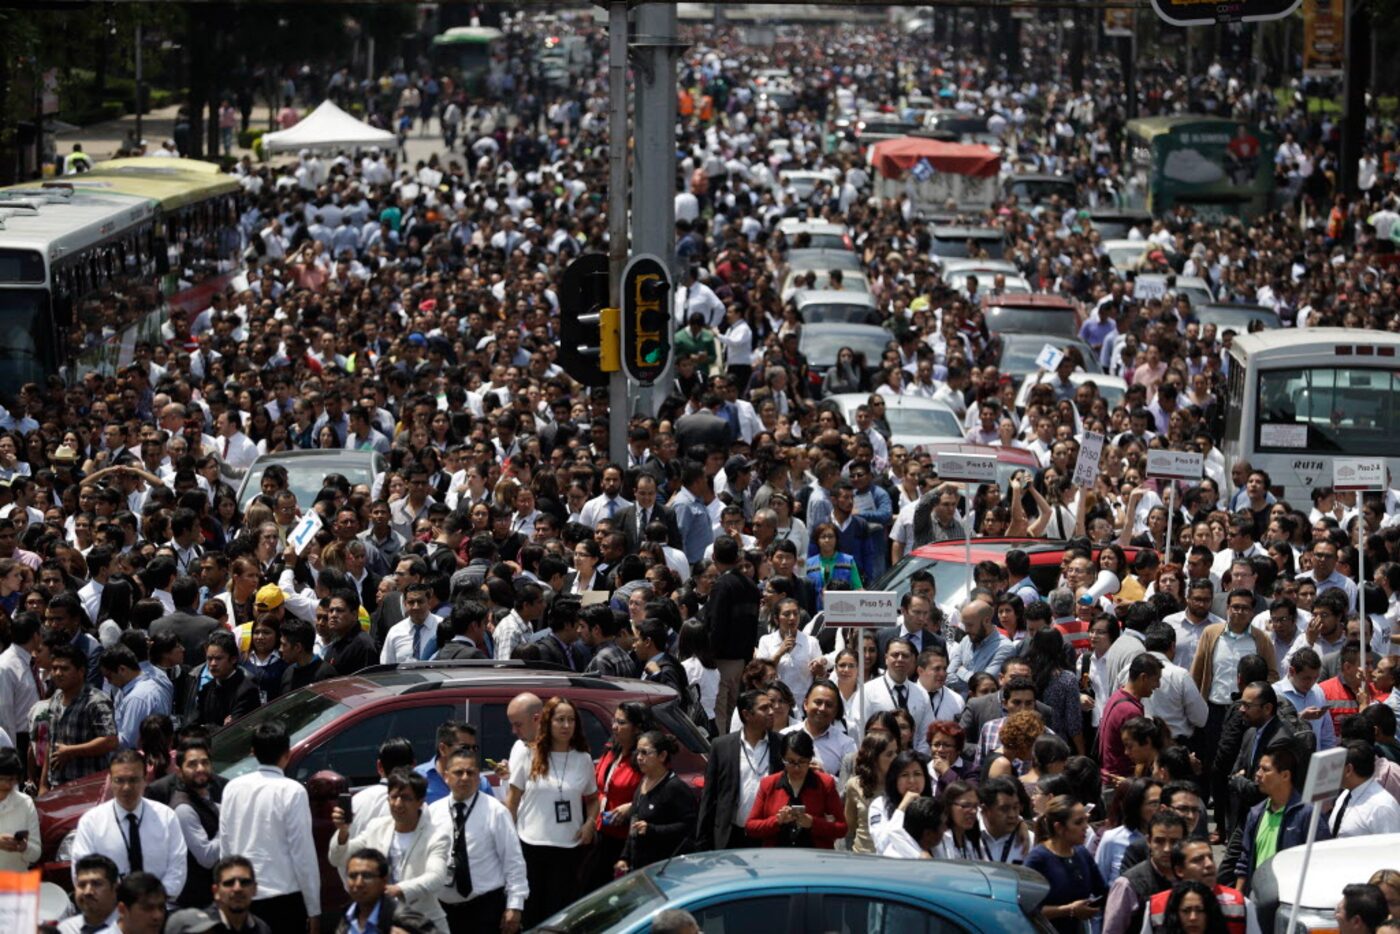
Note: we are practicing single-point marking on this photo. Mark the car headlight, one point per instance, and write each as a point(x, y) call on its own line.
point(1310, 921)
point(64, 854)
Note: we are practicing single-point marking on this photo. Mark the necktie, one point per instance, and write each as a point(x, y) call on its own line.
point(226, 449)
point(901, 693)
point(133, 844)
point(641, 524)
point(417, 642)
point(38, 679)
point(612, 508)
point(1341, 813)
point(462, 870)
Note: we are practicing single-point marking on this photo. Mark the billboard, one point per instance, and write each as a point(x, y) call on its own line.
point(1324, 38)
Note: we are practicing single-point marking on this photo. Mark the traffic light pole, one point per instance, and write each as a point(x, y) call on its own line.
point(618, 407)
point(655, 49)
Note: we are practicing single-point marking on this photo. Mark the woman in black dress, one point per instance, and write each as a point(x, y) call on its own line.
point(663, 809)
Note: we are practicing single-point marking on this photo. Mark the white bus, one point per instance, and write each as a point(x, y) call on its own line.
point(1298, 399)
point(72, 268)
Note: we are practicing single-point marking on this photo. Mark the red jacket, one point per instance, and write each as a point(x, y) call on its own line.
point(1341, 702)
point(1232, 904)
point(818, 795)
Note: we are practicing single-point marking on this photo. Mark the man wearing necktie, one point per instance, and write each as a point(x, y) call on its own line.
point(95, 894)
point(609, 503)
point(1364, 807)
point(136, 834)
point(414, 638)
point(487, 887)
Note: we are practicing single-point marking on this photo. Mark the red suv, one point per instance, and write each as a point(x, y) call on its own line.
point(336, 728)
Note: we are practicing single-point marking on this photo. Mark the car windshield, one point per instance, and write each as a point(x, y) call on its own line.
point(956, 247)
point(1018, 357)
point(26, 353)
point(301, 713)
point(305, 479)
point(949, 578)
point(606, 907)
point(820, 312)
point(937, 423)
point(1235, 319)
point(825, 241)
point(821, 347)
point(1118, 229)
point(1007, 320)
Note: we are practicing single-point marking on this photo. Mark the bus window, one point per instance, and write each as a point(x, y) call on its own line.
point(1348, 410)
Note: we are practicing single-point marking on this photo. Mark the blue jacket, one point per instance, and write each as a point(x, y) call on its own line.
point(840, 571)
point(1293, 832)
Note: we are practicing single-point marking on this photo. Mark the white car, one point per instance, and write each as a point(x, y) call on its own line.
point(824, 235)
point(850, 281)
point(804, 181)
point(1112, 388)
point(1334, 865)
point(913, 421)
point(1123, 255)
point(1154, 285)
point(1014, 284)
point(953, 264)
point(819, 306)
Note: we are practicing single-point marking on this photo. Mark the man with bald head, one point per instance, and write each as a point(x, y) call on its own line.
point(523, 715)
point(984, 648)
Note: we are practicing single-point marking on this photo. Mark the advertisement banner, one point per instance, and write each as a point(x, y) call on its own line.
point(1324, 38)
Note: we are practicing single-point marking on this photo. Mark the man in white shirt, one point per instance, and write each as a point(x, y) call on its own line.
point(823, 724)
point(1191, 622)
point(236, 448)
point(1364, 806)
point(1177, 700)
point(896, 690)
point(413, 638)
point(19, 676)
point(267, 817)
point(487, 886)
point(609, 503)
point(1299, 687)
point(136, 834)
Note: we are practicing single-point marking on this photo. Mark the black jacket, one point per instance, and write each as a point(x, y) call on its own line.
point(669, 810)
point(720, 796)
point(731, 614)
point(384, 616)
point(627, 524)
point(671, 674)
point(220, 701)
point(193, 630)
point(883, 638)
point(455, 649)
point(388, 908)
point(299, 676)
point(198, 880)
point(348, 656)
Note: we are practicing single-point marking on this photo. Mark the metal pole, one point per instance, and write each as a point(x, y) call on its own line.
point(369, 60)
point(617, 211)
point(1303, 873)
point(1357, 68)
point(1362, 621)
point(1171, 514)
point(860, 681)
point(654, 206)
point(967, 543)
point(139, 78)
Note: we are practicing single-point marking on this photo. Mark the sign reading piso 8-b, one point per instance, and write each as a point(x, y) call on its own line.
point(862, 609)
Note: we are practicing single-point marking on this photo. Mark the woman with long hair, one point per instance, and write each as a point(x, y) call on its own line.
point(1192, 908)
point(1136, 802)
point(693, 649)
point(1060, 856)
point(877, 750)
point(617, 777)
point(1056, 687)
point(906, 778)
point(964, 837)
point(553, 797)
point(848, 682)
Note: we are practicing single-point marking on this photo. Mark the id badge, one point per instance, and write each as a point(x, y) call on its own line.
point(563, 812)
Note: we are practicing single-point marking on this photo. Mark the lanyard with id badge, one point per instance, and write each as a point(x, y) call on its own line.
point(563, 809)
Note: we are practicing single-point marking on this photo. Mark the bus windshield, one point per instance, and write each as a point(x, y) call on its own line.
point(1340, 410)
point(26, 351)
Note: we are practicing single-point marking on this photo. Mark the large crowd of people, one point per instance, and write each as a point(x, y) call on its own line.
point(1143, 750)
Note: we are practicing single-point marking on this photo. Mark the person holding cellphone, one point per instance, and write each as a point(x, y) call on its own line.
point(1077, 890)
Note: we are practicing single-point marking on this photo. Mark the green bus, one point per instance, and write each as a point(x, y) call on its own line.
point(471, 53)
point(1218, 167)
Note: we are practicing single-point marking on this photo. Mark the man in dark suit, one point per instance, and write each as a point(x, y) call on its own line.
point(467, 628)
point(1265, 729)
point(916, 627)
point(1017, 693)
point(633, 520)
point(731, 615)
point(737, 759)
point(657, 664)
point(560, 644)
point(703, 427)
point(192, 628)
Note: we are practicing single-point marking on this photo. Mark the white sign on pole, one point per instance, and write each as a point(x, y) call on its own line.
point(1086, 469)
point(969, 468)
point(861, 609)
point(1360, 474)
point(1175, 465)
point(1049, 358)
point(305, 531)
point(1324, 775)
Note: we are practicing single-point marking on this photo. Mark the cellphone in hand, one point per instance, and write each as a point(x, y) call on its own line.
point(21, 836)
point(343, 802)
point(1098, 901)
point(798, 808)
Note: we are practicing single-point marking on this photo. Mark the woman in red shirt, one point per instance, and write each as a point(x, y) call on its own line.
point(775, 819)
point(618, 778)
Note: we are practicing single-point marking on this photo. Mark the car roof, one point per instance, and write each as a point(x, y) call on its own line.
point(1035, 300)
point(809, 257)
point(382, 681)
point(800, 225)
point(1127, 243)
point(943, 232)
point(1263, 310)
point(994, 549)
point(854, 330)
point(1039, 177)
point(316, 453)
point(829, 297)
point(799, 866)
point(1003, 455)
point(954, 264)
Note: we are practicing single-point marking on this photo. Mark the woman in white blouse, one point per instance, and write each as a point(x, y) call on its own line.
point(798, 655)
point(554, 798)
point(17, 816)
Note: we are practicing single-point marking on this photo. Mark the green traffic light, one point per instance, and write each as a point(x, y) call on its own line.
point(654, 356)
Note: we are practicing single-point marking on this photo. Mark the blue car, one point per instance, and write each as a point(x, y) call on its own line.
point(773, 891)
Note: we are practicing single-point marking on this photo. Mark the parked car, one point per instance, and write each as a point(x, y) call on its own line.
point(1118, 223)
point(307, 469)
point(947, 562)
point(851, 281)
point(336, 727)
point(820, 343)
point(1035, 188)
point(1019, 353)
point(1112, 388)
point(914, 422)
point(816, 235)
point(1154, 285)
point(814, 890)
point(1334, 865)
point(1031, 314)
point(818, 306)
point(1124, 255)
point(954, 241)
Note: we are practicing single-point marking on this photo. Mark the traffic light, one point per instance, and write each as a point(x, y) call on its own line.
point(646, 318)
point(583, 293)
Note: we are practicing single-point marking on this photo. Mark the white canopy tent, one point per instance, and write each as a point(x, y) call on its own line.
point(325, 128)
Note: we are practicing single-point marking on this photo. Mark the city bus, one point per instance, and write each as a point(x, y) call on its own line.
point(75, 267)
point(471, 52)
point(1218, 167)
point(180, 244)
point(1298, 399)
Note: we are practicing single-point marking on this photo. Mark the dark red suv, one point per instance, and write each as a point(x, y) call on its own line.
point(336, 728)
